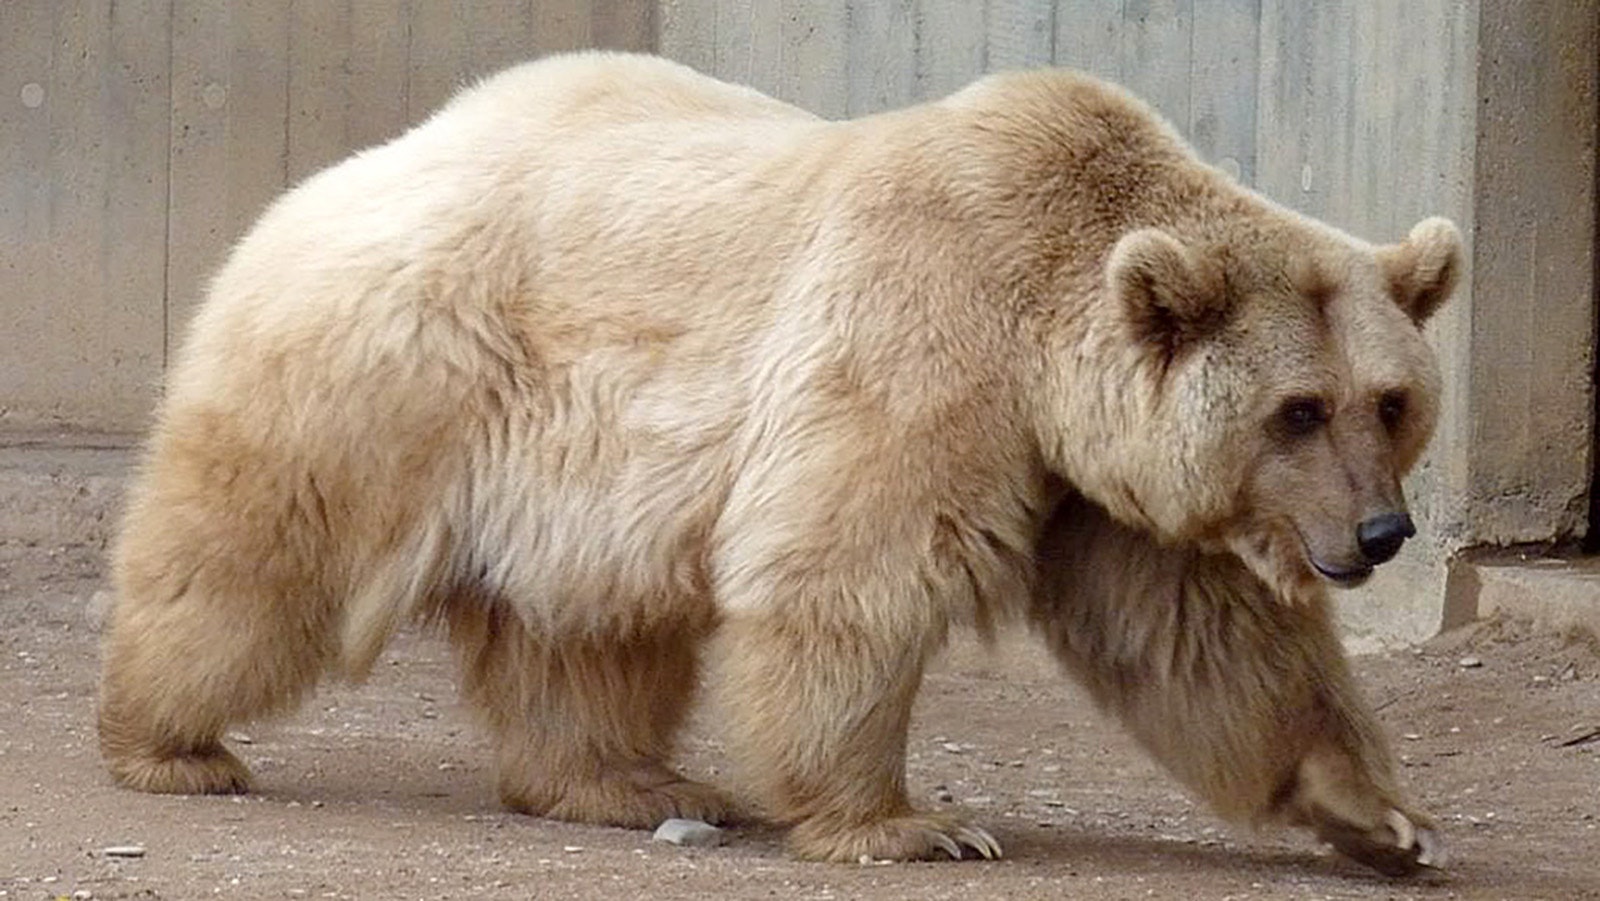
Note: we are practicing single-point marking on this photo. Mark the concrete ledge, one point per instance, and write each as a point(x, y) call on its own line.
point(55, 493)
point(1400, 605)
point(1555, 595)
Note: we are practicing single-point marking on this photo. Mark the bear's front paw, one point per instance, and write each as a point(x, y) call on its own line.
point(1400, 845)
point(923, 836)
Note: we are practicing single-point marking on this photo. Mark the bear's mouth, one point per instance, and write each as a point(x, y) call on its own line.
point(1342, 577)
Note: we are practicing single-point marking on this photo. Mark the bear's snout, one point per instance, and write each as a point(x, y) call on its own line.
point(1380, 537)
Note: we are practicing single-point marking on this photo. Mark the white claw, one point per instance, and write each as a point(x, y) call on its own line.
point(1432, 853)
point(982, 842)
point(1405, 833)
point(948, 845)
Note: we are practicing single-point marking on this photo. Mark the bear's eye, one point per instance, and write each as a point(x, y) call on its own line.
point(1391, 408)
point(1303, 415)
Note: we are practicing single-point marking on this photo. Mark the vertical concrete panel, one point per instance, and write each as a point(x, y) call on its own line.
point(499, 33)
point(952, 45)
point(1534, 281)
point(375, 80)
point(84, 131)
point(1157, 37)
point(558, 26)
point(438, 54)
point(749, 47)
point(1222, 84)
point(319, 66)
point(1021, 34)
point(815, 56)
point(229, 137)
point(1282, 102)
point(27, 45)
point(882, 65)
point(623, 25)
point(125, 352)
point(688, 32)
point(347, 80)
point(1089, 36)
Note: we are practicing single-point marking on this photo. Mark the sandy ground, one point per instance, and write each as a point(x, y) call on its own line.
point(384, 791)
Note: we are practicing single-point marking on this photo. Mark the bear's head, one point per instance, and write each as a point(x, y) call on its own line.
point(1280, 388)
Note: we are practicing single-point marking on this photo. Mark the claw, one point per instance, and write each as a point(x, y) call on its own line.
point(981, 841)
point(1405, 833)
point(1432, 852)
point(948, 845)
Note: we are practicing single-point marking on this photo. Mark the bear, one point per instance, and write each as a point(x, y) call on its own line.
point(630, 379)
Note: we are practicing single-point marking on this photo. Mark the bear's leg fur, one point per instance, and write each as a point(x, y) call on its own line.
point(206, 632)
point(819, 708)
point(584, 727)
point(1245, 698)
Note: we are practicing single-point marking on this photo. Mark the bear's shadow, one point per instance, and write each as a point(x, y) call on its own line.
point(459, 793)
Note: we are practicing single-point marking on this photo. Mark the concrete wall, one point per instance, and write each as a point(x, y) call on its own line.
point(137, 139)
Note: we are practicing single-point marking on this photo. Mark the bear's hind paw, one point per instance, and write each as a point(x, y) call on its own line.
point(211, 770)
point(640, 799)
point(912, 837)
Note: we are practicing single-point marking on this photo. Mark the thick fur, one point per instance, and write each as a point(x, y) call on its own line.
point(1245, 699)
point(609, 358)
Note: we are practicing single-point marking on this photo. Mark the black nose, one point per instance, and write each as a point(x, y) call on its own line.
point(1381, 536)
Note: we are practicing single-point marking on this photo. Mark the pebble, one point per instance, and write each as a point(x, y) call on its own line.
point(123, 851)
point(952, 747)
point(1469, 663)
point(82, 894)
point(943, 795)
point(689, 833)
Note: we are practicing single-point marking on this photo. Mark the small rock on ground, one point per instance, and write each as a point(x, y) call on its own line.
point(690, 833)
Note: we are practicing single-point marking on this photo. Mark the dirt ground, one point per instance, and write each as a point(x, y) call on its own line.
point(384, 791)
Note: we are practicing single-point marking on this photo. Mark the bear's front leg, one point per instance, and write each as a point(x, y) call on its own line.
point(1245, 698)
point(820, 701)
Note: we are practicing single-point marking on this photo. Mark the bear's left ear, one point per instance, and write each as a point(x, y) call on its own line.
point(1171, 294)
point(1423, 269)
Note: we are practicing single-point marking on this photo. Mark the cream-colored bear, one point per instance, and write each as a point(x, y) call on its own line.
point(609, 359)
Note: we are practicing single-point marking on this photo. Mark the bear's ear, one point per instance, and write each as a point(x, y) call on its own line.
point(1423, 269)
point(1172, 295)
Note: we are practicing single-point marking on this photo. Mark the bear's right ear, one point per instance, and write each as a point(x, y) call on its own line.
point(1171, 296)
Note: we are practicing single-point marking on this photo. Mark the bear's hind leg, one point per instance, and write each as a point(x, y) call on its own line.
point(584, 728)
point(1245, 698)
point(190, 650)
